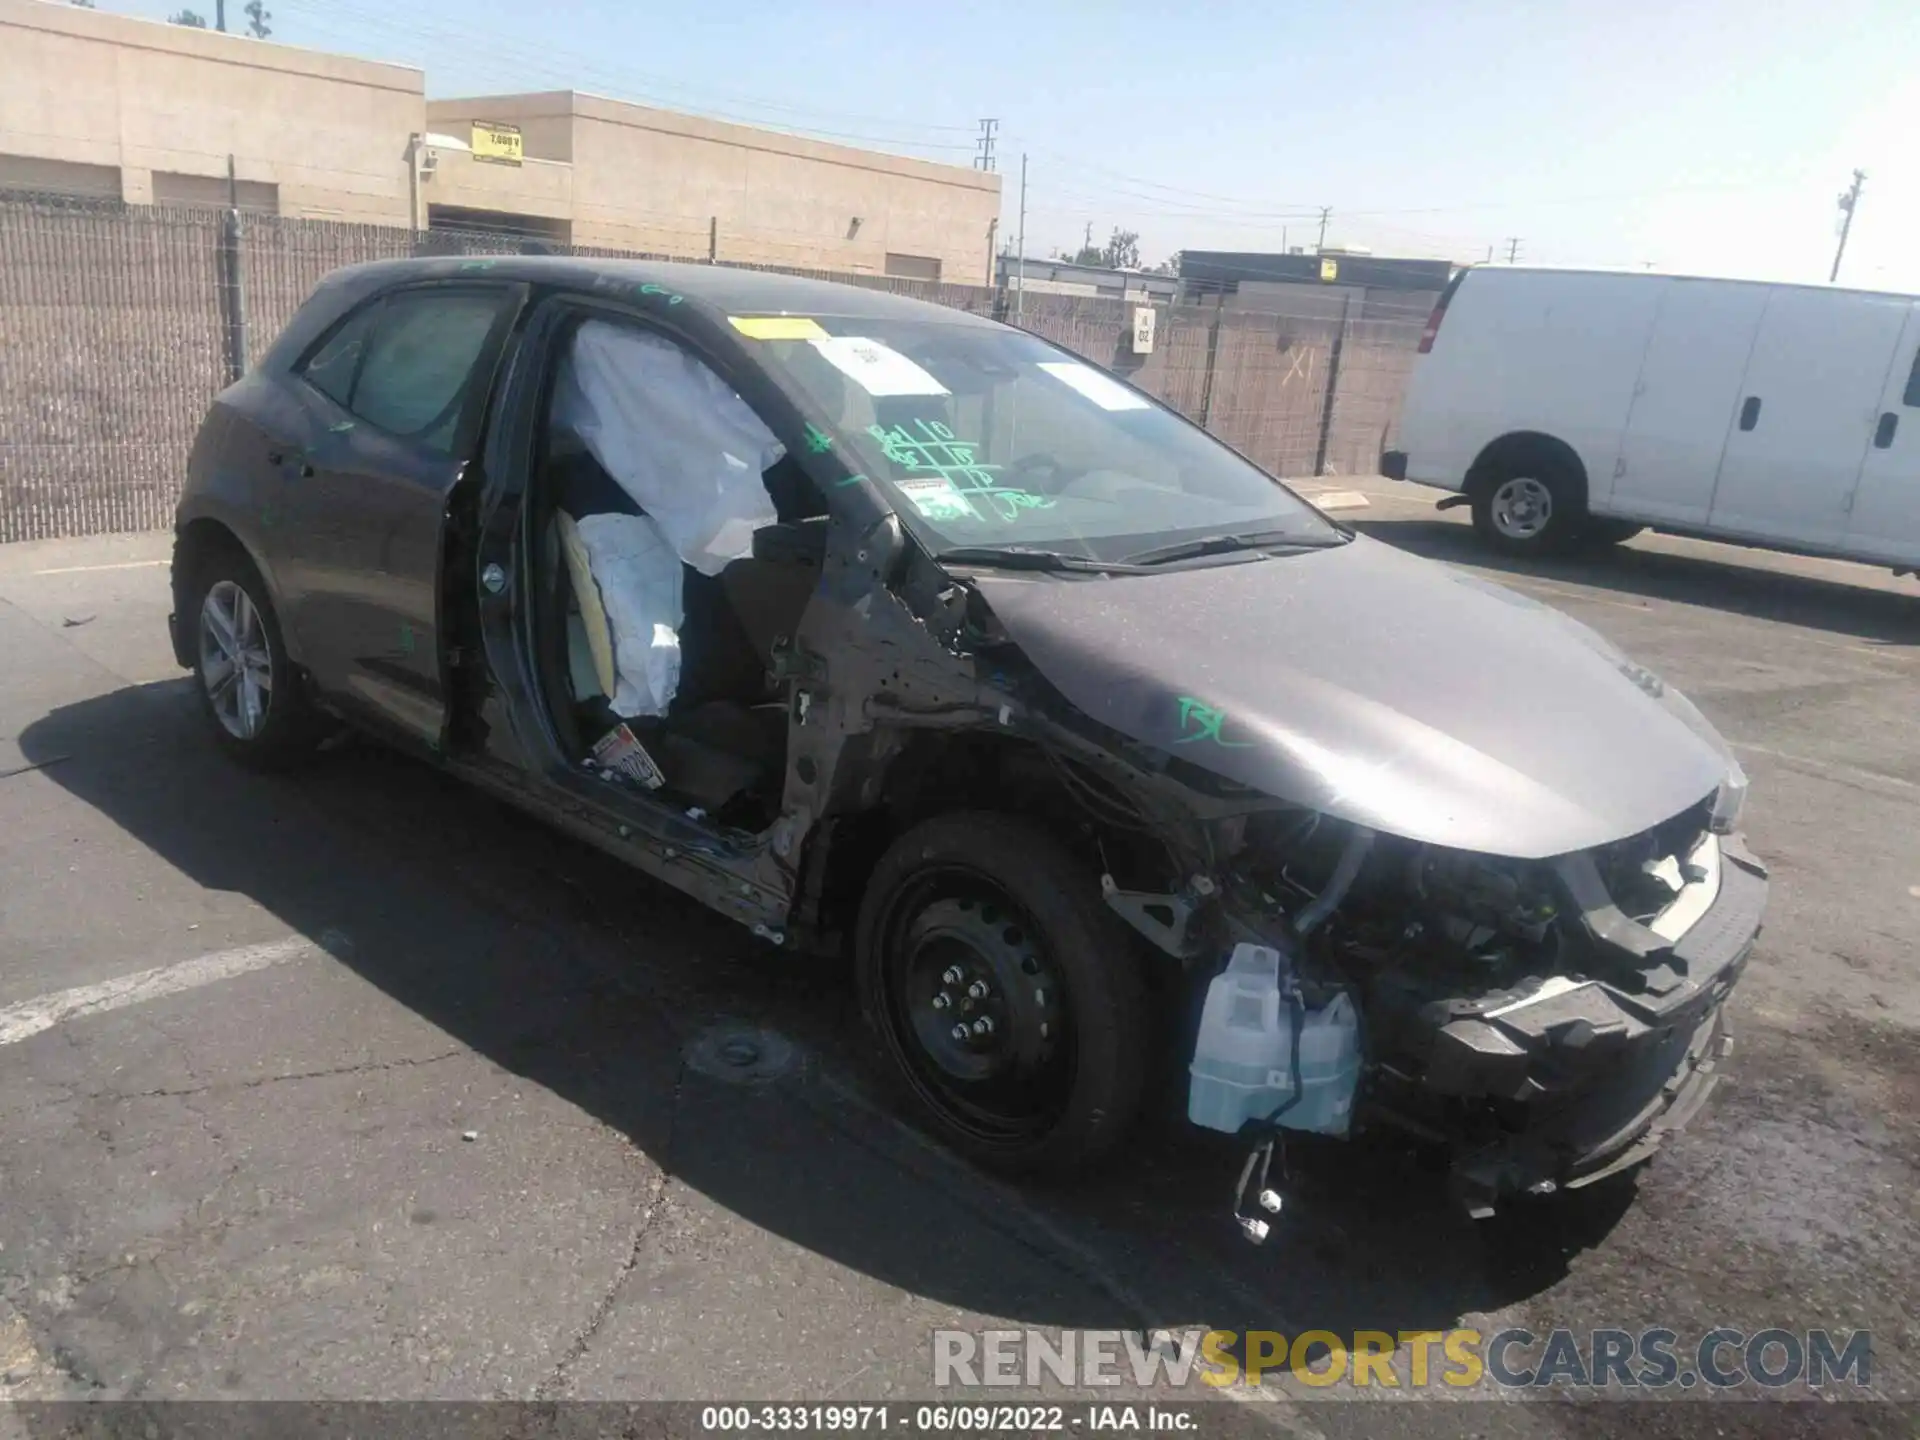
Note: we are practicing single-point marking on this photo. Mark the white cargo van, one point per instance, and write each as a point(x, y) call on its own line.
point(1582, 406)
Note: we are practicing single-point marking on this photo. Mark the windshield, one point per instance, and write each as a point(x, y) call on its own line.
point(993, 438)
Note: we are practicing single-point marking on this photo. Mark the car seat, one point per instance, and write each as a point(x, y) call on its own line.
point(724, 733)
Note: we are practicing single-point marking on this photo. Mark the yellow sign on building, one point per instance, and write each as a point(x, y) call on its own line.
point(499, 143)
point(1329, 269)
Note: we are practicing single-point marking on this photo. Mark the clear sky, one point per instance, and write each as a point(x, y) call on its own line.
point(1703, 135)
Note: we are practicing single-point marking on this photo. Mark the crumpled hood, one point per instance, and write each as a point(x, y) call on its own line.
point(1380, 688)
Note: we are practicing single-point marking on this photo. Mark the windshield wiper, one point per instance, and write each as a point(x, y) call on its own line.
point(1273, 540)
point(1027, 557)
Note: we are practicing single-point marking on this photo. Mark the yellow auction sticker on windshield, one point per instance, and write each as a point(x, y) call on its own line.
point(778, 327)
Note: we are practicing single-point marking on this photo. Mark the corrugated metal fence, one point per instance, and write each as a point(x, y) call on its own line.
point(114, 335)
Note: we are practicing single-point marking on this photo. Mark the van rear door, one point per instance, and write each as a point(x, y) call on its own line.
point(1550, 352)
point(1689, 385)
point(1885, 522)
point(1806, 414)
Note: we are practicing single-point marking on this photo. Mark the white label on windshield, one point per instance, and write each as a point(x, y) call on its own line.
point(1104, 391)
point(875, 368)
point(936, 498)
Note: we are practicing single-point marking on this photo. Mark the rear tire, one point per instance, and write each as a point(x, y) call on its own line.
point(256, 705)
point(1530, 505)
point(973, 917)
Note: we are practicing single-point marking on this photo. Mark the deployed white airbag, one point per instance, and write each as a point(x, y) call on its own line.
point(637, 575)
point(674, 436)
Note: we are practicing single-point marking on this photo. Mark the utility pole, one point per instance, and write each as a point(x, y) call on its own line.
point(984, 160)
point(1513, 249)
point(1020, 282)
point(414, 142)
point(220, 15)
point(1326, 211)
point(1847, 203)
point(233, 280)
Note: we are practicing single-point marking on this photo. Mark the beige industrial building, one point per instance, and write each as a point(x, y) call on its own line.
point(107, 106)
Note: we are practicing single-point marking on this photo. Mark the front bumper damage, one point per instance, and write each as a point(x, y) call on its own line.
point(1573, 1071)
point(1605, 1073)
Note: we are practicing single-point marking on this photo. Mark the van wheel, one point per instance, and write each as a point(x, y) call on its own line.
point(254, 701)
point(1529, 508)
point(1007, 995)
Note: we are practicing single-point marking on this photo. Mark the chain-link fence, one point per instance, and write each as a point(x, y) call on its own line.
point(119, 324)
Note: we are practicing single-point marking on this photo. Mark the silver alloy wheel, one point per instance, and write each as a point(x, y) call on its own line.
point(1522, 508)
point(236, 663)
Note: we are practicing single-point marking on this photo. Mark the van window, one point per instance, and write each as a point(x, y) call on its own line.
point(1912, 397)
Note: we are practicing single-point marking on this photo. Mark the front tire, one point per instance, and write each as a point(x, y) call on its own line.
point(1009, 998)
point(256, 706)
point(1529, 507)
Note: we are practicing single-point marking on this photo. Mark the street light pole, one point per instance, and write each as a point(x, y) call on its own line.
point(1020, 272)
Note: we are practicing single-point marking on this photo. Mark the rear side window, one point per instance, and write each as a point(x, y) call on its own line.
point(1912, 397)
point(406, 364)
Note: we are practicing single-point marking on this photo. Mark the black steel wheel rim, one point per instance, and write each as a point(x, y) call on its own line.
point(974, 1007)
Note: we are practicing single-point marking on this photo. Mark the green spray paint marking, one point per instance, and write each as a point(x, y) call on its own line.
point(406, 638)
point(1204, 721)
point(617, 282)
point(818, 441)
point(932, 449)
point(850, 480)
point(478, 264)
point(1007, 503)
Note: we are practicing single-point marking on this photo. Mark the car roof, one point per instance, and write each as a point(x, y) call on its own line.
point(717, 287)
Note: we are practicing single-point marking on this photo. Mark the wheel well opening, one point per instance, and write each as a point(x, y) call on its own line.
point(197, 542)
point(936, 773)
point(1527, 450)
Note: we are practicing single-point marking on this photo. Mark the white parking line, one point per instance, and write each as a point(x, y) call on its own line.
point(117, 565)
point(30, 1017)
point(1337, 499)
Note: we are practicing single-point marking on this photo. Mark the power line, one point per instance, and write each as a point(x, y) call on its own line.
point(579, 68)
point(1156, 185)
point(1238, 205)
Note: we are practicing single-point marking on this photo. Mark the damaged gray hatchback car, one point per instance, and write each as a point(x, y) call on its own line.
point(882, 627)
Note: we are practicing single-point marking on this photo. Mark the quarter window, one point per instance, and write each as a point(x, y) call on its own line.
point(1912, 397)
point(331, 368)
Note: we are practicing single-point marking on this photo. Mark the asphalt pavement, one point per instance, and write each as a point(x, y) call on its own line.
point(352, 1084)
